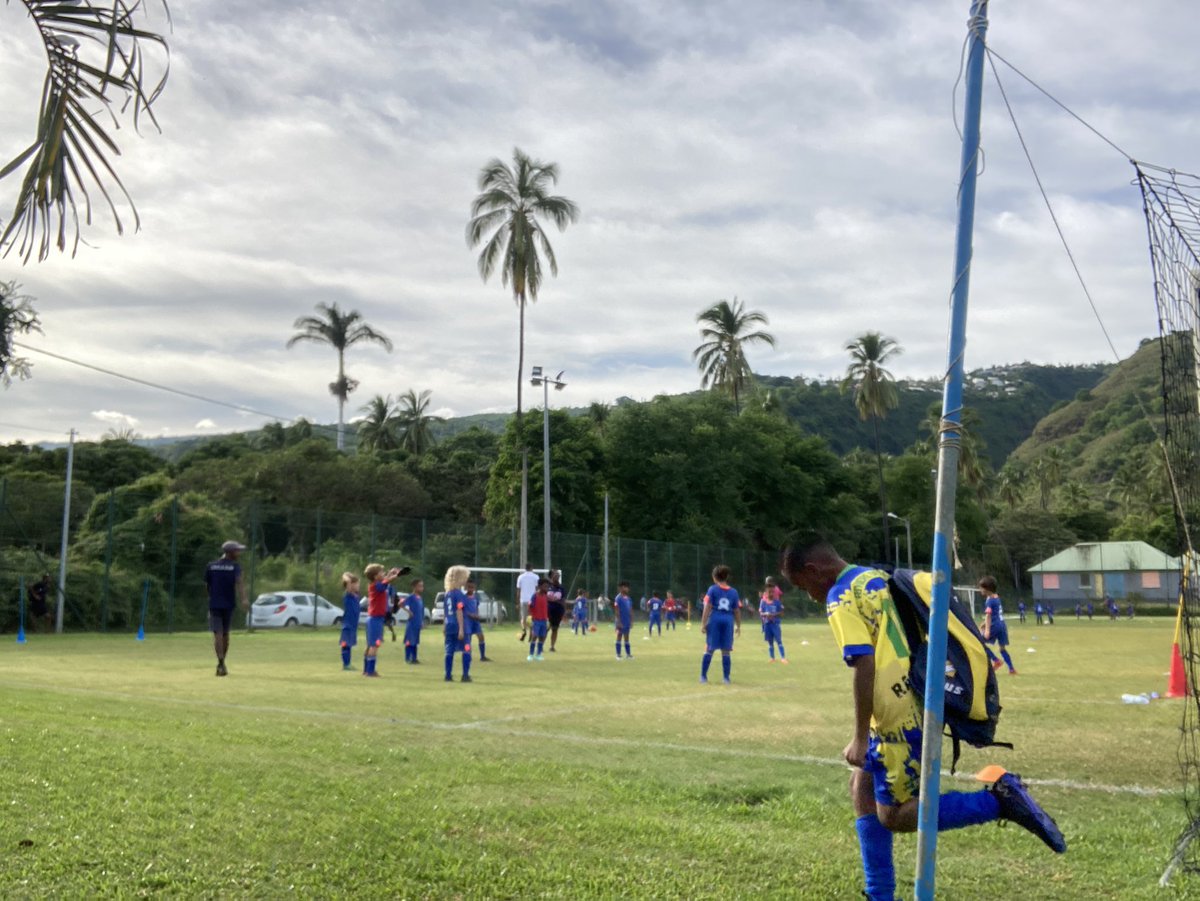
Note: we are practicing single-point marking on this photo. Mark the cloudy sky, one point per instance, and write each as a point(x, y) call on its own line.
point(801, 156)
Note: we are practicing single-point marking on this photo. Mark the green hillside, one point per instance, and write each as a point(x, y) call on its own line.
point(1102, 429)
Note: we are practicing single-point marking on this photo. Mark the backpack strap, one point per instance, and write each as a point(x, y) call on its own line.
point(956, 748)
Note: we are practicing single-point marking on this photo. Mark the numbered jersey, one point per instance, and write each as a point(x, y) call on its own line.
point(723, 600)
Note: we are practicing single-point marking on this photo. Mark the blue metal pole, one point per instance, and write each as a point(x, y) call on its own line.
point(948, 454)
point(21, 612)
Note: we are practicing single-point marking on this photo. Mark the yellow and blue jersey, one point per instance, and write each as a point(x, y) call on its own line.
point(864, 620)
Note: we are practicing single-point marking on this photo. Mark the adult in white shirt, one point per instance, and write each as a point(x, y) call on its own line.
point(527, 584)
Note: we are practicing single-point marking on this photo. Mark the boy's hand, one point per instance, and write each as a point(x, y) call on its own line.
point(855, 753)
point(737, 630)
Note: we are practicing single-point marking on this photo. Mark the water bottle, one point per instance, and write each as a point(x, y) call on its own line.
point(1135, 699)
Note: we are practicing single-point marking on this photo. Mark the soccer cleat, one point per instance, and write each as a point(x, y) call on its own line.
point(481, 660)
point(618, 656)
point(539, 658)
point(770, 660)
point(783, 660)
point(529, 659)
point(1012, 672)
point(466, 679)
point(1017, 806)
point(522, 637)
point(221, 671)
point(448, 679)
point(346, 667)
point(996, 664)
point(703, 680)
point(726, 681)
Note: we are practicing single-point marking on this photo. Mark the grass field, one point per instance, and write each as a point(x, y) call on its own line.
point(130, 770)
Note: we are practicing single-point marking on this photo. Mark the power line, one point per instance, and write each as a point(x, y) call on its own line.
point(33, 428)
point(1074, 115)
point(160, 387)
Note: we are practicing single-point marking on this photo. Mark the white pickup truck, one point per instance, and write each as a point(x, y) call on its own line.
point(490, 609)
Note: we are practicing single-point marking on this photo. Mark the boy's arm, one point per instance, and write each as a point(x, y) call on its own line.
point(737, 620)
point(241, 590)
point(864, 701)
point(987, 622)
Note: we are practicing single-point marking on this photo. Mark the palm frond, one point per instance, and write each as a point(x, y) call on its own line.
point(94, 52)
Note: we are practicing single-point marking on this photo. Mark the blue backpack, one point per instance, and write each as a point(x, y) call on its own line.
point(972, 699)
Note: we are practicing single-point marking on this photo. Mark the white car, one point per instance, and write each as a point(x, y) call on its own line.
point(491, 610)
point(287, 609)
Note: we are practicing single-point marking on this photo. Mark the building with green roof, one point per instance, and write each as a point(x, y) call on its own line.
point(1120, 569)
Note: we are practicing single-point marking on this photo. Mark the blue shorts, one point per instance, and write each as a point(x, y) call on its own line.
point(999, 634)
point(670, 616)
point(455, 645)
point(539, 628)
point(412, 633)
point(655, 619)
point(349, 636)
point(374, 631)
point(720, 633)
point(624, 625)
point(895, 766)
point(772, 632)
point(474, 627)
point(220, 620)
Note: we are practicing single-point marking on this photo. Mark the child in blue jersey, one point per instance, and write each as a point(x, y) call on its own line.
point(350, 616)
point(770, 611)
point(720, 622)
point(454, 606)
point(623, 617)
point(415, 605)
point(654, 607)
point(579, 619)
point(994, 629)
point(475, 623)
point(885, 749)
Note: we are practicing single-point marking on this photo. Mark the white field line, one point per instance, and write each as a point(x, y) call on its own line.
point(490, 728)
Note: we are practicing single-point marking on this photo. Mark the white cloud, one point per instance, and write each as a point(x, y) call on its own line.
point(113, 418)
point(205, 425)
point(801, 156)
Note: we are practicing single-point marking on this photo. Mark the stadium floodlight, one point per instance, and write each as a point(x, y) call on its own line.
point(907, 535)
point(545, 382)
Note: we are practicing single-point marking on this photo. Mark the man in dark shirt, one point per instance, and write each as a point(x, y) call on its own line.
point(225, 589)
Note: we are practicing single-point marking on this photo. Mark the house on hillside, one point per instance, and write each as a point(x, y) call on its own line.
point(1090, 570)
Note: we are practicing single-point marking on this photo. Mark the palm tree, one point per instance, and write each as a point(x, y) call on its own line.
point(414, 421)
point(874, 395)
point(17, 317)
point(378, 430)
point(507, 213)
point(722, 355)
point(339, 330)
point(1048, 470)
point(1012, 478)
point(97, 70)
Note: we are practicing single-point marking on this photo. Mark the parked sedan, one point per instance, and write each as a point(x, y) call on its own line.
point(286, 609)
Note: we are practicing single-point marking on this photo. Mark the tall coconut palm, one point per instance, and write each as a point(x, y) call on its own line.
point(98, 70)
point(1011, 481)
point(414, 421)
point(874, 395)
point(726, 330)
point(506, 216)
point(378, 430)
point(339, 330)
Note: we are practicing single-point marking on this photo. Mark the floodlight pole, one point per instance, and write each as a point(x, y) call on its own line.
point(66, 529)
point(539, 378)
point(948, 453)
point(907, 537)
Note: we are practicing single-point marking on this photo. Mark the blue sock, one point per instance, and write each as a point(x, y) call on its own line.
point(466, 663)
point(875, 846)
point(618, 648)
point(726, 664)
point(370, 664)
point(704, 664)
point(541, 645)
point(449, 665)
point(991, 656)
point(1007, 660)
point(782, 652)
point(482, 648)
point(628, 653)
point(345, 655)
point(771, 649)
point(958, 809)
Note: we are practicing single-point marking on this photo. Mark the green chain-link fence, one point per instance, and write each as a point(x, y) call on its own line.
point(122, 539)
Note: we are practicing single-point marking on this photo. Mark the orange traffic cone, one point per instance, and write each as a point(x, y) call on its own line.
point(1177, 679)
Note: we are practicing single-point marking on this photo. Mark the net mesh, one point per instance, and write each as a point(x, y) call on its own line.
point(1171, 201)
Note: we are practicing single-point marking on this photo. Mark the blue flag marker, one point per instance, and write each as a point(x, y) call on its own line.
point(21, 614)
point(141, 636)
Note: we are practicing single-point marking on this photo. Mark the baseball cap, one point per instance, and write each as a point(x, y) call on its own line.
point(233, 546)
